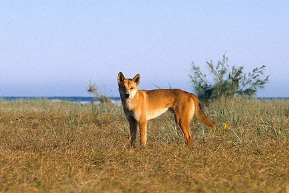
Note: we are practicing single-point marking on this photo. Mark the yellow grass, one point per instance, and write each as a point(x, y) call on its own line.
point(63, 147)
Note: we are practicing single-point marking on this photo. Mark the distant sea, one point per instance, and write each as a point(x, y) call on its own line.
point(85, 100)
point(74, 99)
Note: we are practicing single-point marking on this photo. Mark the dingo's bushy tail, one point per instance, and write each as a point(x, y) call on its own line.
point(203, 117)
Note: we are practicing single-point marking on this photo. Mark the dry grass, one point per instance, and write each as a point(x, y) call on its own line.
point(62, 147)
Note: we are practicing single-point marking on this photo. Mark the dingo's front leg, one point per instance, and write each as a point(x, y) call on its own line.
point(143, 132)
point(133, 131)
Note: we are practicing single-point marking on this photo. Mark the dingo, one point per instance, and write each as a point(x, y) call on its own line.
point(142, 105)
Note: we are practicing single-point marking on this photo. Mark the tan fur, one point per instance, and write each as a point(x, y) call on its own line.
point(142, 105)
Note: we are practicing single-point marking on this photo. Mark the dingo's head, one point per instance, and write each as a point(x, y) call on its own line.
point(127, 87)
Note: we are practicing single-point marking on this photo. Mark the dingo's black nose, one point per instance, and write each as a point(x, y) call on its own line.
point(126, 95)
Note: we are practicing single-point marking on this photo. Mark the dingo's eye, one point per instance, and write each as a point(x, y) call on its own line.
point(131, 88)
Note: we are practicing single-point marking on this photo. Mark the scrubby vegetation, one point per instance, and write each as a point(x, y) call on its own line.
point(50, 146)
point(227, 81)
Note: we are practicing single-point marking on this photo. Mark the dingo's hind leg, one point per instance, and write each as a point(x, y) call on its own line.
point(184, 123)
point(185, 126)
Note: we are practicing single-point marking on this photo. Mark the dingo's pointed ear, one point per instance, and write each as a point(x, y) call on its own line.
point(120, 77)
point(136, 79)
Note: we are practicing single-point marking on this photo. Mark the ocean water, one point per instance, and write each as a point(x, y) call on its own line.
point(74, 99)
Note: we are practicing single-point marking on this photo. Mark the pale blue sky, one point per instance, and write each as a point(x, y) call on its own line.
point(53, 48)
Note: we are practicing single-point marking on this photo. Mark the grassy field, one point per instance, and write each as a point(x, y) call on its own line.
point(63, 147)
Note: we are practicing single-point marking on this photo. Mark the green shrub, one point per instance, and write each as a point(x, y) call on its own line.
point(227, 82)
